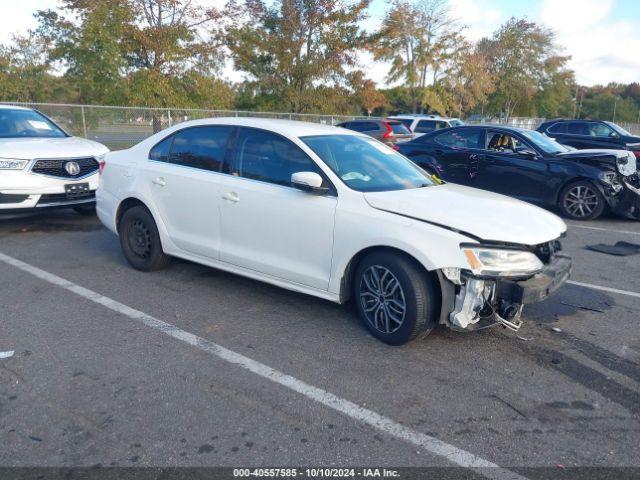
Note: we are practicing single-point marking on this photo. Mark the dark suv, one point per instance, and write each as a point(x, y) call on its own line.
point(589, 134)
point(387, 131)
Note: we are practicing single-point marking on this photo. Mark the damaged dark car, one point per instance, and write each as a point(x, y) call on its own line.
point(530, 166)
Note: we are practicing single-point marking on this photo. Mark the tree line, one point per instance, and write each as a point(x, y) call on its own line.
point(301, 56)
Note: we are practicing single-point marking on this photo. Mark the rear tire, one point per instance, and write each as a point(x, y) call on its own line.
point(396, 299)
point(140, 240)
point(581, 200)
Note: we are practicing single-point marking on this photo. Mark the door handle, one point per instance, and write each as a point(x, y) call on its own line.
point(159, 182)
point(232, 197)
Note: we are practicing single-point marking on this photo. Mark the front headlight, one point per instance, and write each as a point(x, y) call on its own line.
point(12, 164)
point(501, 262)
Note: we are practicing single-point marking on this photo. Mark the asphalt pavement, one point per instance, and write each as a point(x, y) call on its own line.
point(92, 382)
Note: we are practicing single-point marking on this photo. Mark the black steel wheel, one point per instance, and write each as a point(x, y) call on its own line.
point(140, 240)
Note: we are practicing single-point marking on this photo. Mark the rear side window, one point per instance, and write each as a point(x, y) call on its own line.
point(160, 153)
point(426, 126)
point(461, 138)
point(558, 128)
point(270, 158)
point(578, 128)
point(399, 128)
point(200, 147)
point(407, 122)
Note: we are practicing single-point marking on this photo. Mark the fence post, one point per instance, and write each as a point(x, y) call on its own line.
point(84, 122)
point(169, 117)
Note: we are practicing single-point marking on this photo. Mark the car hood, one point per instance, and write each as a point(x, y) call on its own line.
point(67, 147)
point(622, 160)
point(478, 213)
point(600, 154)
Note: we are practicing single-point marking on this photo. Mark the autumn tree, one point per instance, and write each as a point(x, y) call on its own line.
point(143, 52)
point(467, 80)
point(522, 56)
point(416, 39)
point(289, 48)
point(365, 94)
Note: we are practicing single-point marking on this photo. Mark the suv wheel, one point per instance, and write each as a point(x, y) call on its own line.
point(140, 240)
point(396, 299)
point(581, 201)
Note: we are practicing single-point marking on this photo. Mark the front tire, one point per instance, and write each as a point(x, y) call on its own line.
point(395, 297)
point(581, 201)
point(140, 240)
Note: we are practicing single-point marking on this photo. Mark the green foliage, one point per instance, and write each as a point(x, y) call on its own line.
point(297, 56)
point(292, 50)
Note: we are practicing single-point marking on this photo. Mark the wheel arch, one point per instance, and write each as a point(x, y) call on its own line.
point(127, 204)
point(347, 275)
point(576, 179)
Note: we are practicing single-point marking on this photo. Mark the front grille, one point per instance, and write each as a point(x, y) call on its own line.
point(12, 198)
point(55, 167)
point(546, 251)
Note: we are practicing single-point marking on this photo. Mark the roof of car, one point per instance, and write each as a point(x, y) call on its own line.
point(284, 127)
point(487, 125)
point(13, 107)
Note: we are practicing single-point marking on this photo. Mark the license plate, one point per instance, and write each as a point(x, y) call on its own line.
point(75, 190)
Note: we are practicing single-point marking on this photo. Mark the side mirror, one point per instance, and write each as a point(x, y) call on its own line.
point(308, 182)
point(614, 135)
point(528, 153)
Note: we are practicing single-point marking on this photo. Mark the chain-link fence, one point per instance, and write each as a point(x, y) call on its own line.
point(122, 127)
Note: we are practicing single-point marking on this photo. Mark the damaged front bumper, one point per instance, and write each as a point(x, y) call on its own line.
point(480, 302)
point(625, 201)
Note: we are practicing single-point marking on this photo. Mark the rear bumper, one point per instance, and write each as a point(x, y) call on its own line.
point(538, 287)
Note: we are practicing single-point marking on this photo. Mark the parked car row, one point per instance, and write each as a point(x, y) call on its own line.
point(42, 166)
point(334, 212)
point(528, 165)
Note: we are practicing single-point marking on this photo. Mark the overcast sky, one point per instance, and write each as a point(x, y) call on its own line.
point(602, 36)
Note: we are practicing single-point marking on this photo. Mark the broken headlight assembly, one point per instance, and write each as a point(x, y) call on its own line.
point(611, 180)
point(626, 163)
point(499, 262)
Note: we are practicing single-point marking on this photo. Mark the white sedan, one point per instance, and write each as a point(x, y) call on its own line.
point(331, 213)
point(41, 166)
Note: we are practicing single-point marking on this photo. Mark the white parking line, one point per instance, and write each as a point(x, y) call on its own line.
point(610, 230)
point(604, 289)
point(454, 454)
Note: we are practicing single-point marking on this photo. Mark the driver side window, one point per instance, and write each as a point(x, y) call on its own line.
point(505, 143)
point(599, 130)
point(270, 158)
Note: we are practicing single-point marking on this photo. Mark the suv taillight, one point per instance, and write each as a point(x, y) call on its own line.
point(389, 132)
point(101, 166)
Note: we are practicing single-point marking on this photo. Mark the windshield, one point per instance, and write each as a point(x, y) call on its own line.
point(619, 129)
point(367, 165)
point(28, 124)
point(544, 143)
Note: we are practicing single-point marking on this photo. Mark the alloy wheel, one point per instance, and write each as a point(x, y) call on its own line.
point(382, 299)
point(581, 201)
